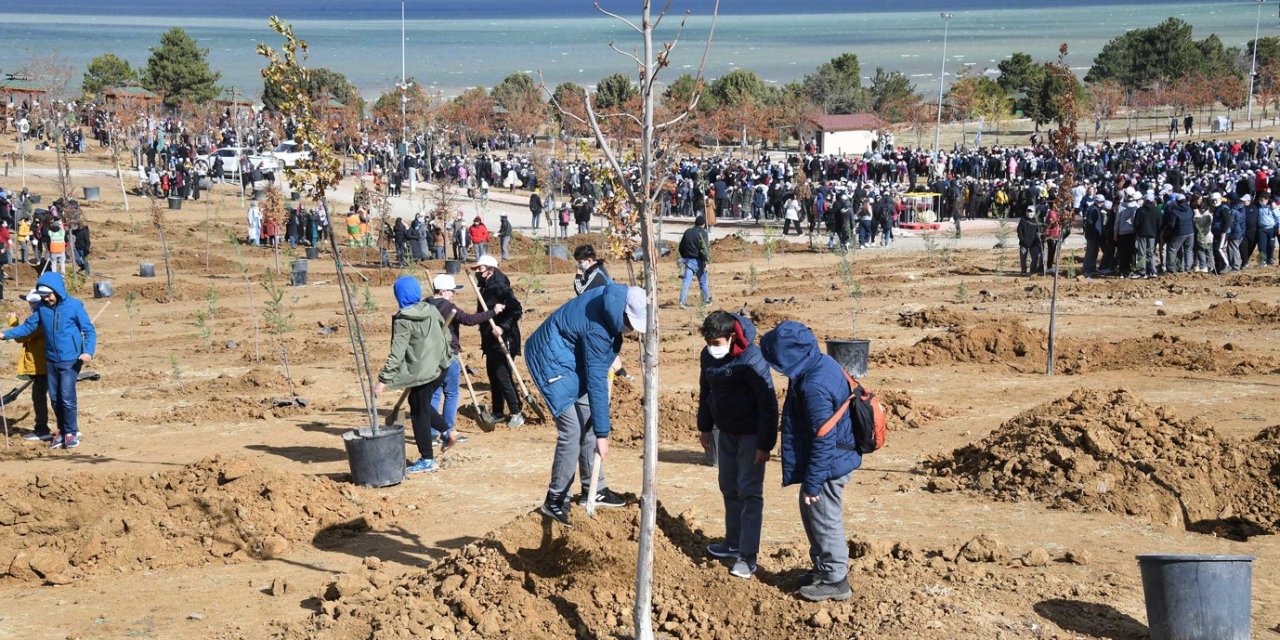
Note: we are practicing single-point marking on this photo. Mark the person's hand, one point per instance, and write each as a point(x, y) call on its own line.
point(379, 388)
point(85, 358)
point(602, 447)
point(705, 438)
point(762, 456)
point(497, 308)
point(811, 500)
point(497, 331)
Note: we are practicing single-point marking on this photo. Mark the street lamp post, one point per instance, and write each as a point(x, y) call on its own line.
point(1253, 68)
point(942, 83)
point(404, 101)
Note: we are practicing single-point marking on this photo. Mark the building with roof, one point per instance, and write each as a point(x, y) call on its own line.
point(129, 94)
point(19, 88)
point(850, 133)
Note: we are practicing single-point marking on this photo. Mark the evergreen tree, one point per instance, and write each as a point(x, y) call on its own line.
point(107, 70)
point(514, 89)
point(836, 86)
point(321, 83)
point(740, 87)
point(613, 91)
point(179, 70)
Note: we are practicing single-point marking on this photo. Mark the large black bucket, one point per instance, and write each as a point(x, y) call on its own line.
point(376, 460)
point(1197, 597)
point(851, 354)
point(146, 270)
point(558, 251)
point(452, 267)
point(102, 289)
point(92, 194)
point(313, 253)
point(175, 202)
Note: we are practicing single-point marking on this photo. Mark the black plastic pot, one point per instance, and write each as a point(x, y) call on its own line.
point(851, 354)
point(175, 202)
point(452, 267)
point(1197, 597)
point(298, 274)
point(313, 253)
point(376, 460)
point(102, 289)
point(558, 251)
point(92, 193)
point(147, 270)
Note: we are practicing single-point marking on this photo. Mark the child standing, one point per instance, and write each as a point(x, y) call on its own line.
point(735, 395)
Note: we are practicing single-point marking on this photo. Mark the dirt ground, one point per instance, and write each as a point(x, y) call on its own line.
point(1007, 503)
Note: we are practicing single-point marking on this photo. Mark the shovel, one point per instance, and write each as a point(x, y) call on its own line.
point(13, 395)
point(395, 410)
point(529, 398)
point(591, 489)
point(487, 422)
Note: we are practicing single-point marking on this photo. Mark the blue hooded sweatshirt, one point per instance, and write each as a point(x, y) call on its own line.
point(408, 291)
point(570, 354)
point(735, 393)
point(68, 332)
point(818, 388)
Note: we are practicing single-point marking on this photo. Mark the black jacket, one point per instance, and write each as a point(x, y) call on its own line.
point(1178, 218)
point(497, 289)
point(1028, 230)
point(695, 245)
point(735, 394)
point(1146, 222)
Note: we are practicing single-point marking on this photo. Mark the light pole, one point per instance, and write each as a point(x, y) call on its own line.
point(404, 101)
point(942, 83)
point(1253, 68)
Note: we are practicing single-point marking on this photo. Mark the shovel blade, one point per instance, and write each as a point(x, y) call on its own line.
point(536, 405)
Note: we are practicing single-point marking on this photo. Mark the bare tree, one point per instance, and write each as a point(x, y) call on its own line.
point(642, 191)
point(1064, 147)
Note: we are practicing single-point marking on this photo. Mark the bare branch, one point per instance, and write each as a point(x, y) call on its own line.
point(633, 56)
point(622, 19)
point(662, 14)
point(609, 155)
point(620, 115)
point(702, 65)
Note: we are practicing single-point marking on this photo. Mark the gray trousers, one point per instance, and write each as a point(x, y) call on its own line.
point(1177, 254)
point(575, 447)
point(1145, 247)
point(742, 485)
point(824, 527)
point(1233, 253)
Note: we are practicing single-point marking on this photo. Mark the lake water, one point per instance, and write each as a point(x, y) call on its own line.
point(453, 45)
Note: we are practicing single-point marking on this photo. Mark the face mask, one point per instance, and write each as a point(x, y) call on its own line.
point(718, 351)
point(583, 266)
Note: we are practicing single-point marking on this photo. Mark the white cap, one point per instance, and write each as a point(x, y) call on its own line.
point(1246, 198)
point(445, 282)
point(486, 260)
point(637, 310)
point(33, 296)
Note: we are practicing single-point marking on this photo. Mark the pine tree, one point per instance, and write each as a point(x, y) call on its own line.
point(107, 70)
point(179, 70)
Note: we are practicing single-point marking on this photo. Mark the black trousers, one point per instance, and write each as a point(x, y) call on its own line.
point(424, 416)
point(502, 386)
point(40, 400)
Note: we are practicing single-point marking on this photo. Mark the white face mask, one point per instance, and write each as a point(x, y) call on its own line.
point(583, 266)
point(718, 351)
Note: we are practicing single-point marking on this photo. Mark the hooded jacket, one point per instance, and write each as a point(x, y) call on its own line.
point(497, 290)
point(419, 344)
point(570, 354)
point(817, 389)
point(595, 276)
point(68, 331)
point(1177, 218)
point(736, 393)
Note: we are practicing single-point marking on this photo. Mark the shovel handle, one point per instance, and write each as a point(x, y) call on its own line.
point(591, 487)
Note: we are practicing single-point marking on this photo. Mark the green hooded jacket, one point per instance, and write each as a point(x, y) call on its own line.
point(419, 348)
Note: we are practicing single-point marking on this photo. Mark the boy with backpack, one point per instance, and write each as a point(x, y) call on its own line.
point(828, 422)
point(735, 394)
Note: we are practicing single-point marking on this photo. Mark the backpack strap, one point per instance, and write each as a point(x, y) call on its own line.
point(831, 422)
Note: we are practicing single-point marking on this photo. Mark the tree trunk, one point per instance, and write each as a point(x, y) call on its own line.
point(168, 275)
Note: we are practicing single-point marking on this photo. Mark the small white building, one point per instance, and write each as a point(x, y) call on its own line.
point(846, 134)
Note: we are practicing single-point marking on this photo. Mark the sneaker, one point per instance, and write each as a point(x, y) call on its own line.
point(743, 568)
point(722, 550)
point(56, 442)
point(819, 591)
point(71, 441)
point(516, 421)
point(38, 437)
point(423, 465)
point(604, 498)
point(556, 511)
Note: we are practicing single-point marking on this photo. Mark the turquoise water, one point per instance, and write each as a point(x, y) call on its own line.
point(450, 54)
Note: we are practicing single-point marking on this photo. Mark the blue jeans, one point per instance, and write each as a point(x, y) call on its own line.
point(62, 394)
point(450, 392)
point(694, 267)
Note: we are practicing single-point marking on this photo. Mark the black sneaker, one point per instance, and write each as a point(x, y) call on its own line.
point(556, 511)
point(819, 591)
point(604, 498)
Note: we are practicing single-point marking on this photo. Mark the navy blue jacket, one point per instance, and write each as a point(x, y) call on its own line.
point(1177, 218)
point(817, 389)
point(1236, 230)
point(736, 395)
point(68, 331)
point(570, 354)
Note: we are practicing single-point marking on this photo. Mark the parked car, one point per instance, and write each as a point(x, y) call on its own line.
point(288, 153)
point(231, 163)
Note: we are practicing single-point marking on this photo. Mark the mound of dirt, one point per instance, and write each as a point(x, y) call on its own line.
point(1110, 451)
point(766, 317)
point(530, 579)
point(1232, 312)
point(1026, 350)
point(57, 530)
point(539, 265)
point(933, 318)
point(677, 414)
point(905, 411)
point(156, 291)
point(732, 248)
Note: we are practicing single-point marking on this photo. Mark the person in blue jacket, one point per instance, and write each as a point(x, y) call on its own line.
point(70, 341)
point(571, 357)
point(820, 463)
point(735, 396)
